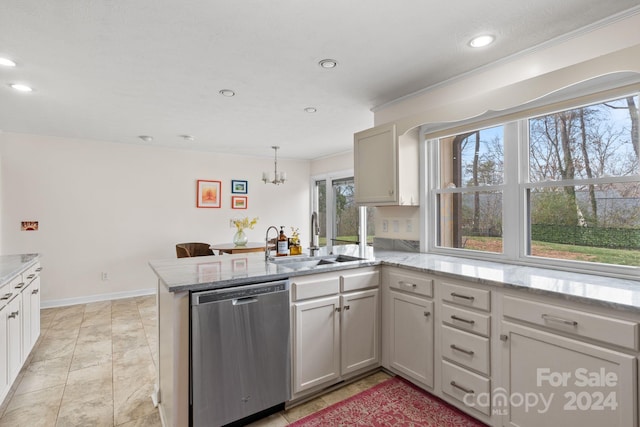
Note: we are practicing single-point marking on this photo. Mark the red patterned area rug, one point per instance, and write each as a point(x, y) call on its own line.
point(396, 403)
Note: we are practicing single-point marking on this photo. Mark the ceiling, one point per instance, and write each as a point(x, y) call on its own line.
point(113, 70)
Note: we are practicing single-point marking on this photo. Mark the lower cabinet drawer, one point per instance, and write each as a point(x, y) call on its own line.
point(472, 390)
point(468, 320)
point(466, 349)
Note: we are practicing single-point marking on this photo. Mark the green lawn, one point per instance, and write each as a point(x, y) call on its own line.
point(562, 251)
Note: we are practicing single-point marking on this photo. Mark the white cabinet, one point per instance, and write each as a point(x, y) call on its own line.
point(335, 327)
point(31, 309)
point(564, 381)
point(386, 167)
point(411, 339)
point(360, 331)
point(408, 318)
point(316, 342)
point(19, 323)
point(465, 345)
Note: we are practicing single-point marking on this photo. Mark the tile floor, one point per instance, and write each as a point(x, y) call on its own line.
point(94, 365)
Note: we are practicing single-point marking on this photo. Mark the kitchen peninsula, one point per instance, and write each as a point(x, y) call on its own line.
point(486, 326)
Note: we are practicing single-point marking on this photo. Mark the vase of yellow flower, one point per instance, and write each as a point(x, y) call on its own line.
point(240, 238)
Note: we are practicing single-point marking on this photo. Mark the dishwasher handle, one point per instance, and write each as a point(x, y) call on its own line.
point(243, 301)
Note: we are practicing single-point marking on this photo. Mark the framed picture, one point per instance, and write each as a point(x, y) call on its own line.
point(209, 194)
point(238, 202)
point(239, 187)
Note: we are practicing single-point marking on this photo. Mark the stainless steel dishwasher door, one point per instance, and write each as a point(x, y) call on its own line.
point(240, 358)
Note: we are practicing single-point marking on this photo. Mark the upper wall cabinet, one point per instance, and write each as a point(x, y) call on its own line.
point(386, 167)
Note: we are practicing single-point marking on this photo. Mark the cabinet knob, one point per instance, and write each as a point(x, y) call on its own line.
point(504, 337)
point(427, 313)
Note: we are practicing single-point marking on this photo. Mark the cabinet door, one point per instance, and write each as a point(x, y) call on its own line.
point(14, 336)
point(375, 166)
point(26, 320)
point(411, 336)
point(34, 300)
point(553, 380)
point(316, 347)
point(4, 344)
point(360, 330)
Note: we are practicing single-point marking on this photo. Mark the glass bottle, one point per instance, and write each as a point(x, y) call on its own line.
point(283, 244)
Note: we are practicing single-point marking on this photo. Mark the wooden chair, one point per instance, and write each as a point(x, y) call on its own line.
point(185, 250)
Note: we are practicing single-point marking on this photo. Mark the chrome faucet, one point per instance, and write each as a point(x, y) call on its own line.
point(315, 233)
point(267, 252)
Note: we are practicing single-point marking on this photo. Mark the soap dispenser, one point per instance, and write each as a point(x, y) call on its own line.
point(283, 244)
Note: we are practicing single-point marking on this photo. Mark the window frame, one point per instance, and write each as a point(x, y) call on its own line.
point(515, 186)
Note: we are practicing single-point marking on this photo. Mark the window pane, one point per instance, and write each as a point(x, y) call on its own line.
point(471, 220)
point(321, 208)
point(472, 159)
point(589, 142)
point(595, 223)
point(346, 212)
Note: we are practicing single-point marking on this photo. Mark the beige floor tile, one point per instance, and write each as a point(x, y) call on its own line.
point(130, 339)
point(275, 420)
point(92, 373)
point(91, 354)
point(151, 420)
point(44, 374)
point(53, 348)
point(305, 409)
point(94, 413)
point(39, 408)
point(132, 399)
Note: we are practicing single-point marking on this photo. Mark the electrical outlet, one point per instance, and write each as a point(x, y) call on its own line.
point(409, 226)
point(396, 226)
point(385, 226)
point(104, 276)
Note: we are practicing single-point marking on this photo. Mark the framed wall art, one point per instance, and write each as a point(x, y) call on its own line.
point(238, 202)
point(239, 187)
point(209, 194)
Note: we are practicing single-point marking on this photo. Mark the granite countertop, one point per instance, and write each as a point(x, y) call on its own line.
point(12, 265)
point(201, 273)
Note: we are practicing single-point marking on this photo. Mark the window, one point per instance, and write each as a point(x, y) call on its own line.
point(555, 189)
point(583, 192)
point(469, 193)
point(339, 217)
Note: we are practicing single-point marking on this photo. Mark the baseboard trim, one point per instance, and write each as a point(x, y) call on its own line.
point(97, 298)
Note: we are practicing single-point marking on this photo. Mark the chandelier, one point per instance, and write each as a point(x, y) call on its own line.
point(278, 177)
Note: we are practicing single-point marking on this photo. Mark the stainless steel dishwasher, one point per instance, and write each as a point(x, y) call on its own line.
point(240, 358)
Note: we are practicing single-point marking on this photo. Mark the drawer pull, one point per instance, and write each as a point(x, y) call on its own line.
point(346, 307)
point(462, 350)
point(460, 319)
point(467, 297)
point(31, 276)
point(402, 283)
point(559, 320)
point(6, 296)
point(35, 291)
point(14, 315)
point(427, 313)
point(39, 269)
point(459, 387)
point(338, 309)
point(19, 285)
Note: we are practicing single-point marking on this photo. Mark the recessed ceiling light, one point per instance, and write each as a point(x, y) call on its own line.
point(227, 92)
point(21, 87)
point(187, 137)
point(328, 63)
point(146, 138)
point(7, 62)
point(310, 110)
point(481, 41)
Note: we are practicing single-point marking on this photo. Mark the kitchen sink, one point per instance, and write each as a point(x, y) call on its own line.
point(309, 262)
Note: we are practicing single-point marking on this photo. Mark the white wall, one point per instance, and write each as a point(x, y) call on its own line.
point(335, 163)
point(107, 207)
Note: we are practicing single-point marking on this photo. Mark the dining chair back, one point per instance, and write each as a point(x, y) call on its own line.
point(185, 250)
